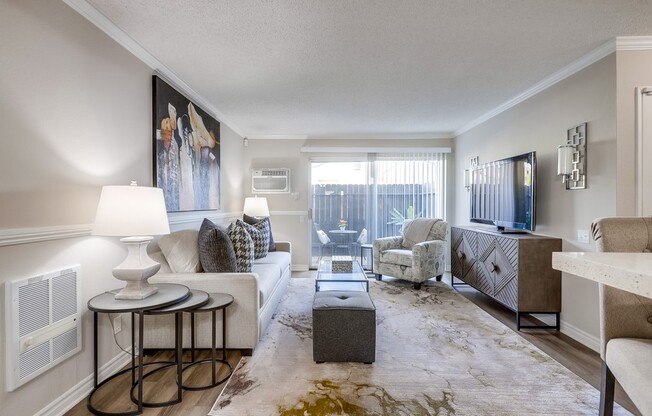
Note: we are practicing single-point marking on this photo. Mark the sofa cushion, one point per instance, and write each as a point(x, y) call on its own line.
point(242, 244)
point(180, 251)
point(397, 256)
point(269, 275)
point(216, 252)
point(260, 237)
point(282, 259)
point(259, 223)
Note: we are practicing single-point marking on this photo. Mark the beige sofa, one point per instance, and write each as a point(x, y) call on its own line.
point(256, 296)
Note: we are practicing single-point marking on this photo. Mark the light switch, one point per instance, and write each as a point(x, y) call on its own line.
point(583, 236)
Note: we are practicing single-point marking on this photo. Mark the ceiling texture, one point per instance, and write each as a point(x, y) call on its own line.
point(368, 68)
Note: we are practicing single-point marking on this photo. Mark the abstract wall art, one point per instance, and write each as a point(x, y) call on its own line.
point(186, 151)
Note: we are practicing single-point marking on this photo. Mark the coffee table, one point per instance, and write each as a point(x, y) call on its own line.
point(355, 281)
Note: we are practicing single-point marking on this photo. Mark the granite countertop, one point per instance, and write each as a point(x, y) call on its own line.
point(631, 272)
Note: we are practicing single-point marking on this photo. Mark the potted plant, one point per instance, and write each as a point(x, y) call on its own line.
point(342, 224)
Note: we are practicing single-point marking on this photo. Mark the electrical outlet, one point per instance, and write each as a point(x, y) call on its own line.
point(117, 324)
point(583, 236)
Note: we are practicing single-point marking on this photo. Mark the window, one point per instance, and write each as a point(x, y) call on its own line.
point(357, 200)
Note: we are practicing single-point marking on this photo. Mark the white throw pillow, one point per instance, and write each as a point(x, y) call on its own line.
point(181, 251)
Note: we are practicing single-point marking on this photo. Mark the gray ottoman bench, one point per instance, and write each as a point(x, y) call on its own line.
point(343, 327)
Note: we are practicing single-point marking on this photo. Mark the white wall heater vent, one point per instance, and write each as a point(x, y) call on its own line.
point(270, 181)
point(42, 323)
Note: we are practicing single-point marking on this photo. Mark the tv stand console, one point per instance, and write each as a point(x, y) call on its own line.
point(515, 270)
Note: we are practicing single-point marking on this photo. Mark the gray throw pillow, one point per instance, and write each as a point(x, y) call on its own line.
point(260, 237)
point(216, 252)
point(242, 244)
point(261, 223)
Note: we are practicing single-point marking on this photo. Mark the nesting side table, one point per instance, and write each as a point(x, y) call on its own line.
point(167, 294)
point(215, 302)
point(197, 299)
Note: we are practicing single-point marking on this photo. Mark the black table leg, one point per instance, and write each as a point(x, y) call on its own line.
point(95, 349)
point(141, 339)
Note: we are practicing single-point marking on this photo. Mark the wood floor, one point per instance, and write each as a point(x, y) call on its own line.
point(113, 397)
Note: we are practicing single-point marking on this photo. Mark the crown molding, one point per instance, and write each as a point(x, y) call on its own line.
point(388, 136)
point(277, 137)
point(94, 16)
point(595, 55)
point(633, 43)
point(337, 149)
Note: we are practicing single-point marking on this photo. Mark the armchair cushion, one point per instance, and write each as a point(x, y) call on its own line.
point(397, 256)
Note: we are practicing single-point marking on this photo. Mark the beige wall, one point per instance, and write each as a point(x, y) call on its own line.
point(634, 69)
point(288, 215)
point(540, 124)
point(75, 111)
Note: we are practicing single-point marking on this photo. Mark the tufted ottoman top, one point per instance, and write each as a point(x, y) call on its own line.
point(343, 300)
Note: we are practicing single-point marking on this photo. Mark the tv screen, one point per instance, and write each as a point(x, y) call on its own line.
point(503, 192)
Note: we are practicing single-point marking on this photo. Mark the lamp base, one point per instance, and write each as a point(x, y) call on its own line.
point(136, 269)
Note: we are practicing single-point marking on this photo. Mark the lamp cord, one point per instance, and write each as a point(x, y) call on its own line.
point(115, 338)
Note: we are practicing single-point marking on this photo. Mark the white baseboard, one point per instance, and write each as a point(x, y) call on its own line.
point(80, 391)
point(580, 336)
point(300, 268)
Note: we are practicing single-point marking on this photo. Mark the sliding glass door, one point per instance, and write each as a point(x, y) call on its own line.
point(357, 200)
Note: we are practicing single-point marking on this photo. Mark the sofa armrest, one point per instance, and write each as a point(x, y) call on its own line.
point(284, 246)
point(388, 243)
point(429, 258)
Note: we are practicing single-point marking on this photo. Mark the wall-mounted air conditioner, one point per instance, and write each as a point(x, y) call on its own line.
point(270, 181)
point(42, 323)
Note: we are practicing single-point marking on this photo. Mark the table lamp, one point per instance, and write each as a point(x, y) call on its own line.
point(256, 207)
point(135, 213)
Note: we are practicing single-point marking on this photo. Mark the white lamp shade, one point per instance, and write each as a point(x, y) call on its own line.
point(256, 207)
point(565, 159)
point(131, 211)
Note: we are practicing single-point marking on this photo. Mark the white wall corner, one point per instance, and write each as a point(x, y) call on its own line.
point(90, 13)
point(570, 69)
point(82, 389)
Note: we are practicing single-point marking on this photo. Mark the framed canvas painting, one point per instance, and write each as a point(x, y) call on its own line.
point(186, 151)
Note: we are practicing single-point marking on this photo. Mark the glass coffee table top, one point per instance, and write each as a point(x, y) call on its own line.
point(356, 280)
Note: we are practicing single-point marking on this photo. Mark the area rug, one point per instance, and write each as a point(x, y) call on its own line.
point(436, 354)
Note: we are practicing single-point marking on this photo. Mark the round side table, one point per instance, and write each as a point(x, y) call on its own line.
point(106, 303)
point(216, 302)
point(196, 299)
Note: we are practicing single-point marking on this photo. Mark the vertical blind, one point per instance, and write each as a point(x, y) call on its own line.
point(378, 192)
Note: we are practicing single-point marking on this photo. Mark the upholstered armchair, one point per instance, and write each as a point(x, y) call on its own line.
point(625, 318)
point(417, 255)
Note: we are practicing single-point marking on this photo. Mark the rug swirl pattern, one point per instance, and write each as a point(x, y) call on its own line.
point(436, 354)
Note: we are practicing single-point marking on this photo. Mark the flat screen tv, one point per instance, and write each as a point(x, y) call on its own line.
point(503, 193)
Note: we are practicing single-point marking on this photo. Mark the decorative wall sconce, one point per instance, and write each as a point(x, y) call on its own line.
point(468, 175)
point(245, 142)
point(571, 158)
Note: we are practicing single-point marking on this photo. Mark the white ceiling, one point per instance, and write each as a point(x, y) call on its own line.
point(337, 68)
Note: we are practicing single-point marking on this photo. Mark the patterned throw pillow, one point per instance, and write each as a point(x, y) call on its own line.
point(259, 224)
point(216, 252)
point(260, 236)
point(242, 244)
